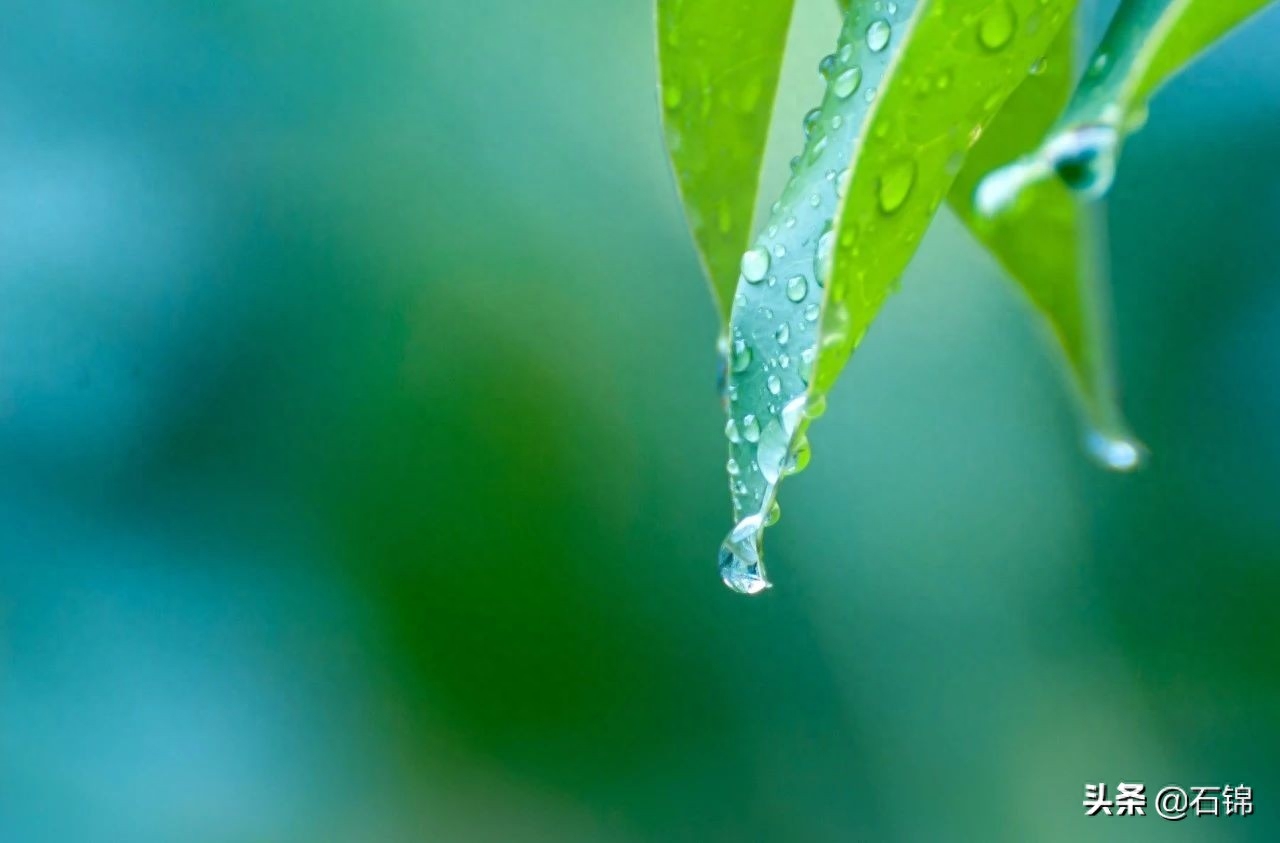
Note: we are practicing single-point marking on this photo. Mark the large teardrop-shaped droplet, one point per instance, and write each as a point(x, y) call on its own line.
point(741, 561)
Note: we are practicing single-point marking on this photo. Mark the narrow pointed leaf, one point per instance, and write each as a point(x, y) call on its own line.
point(909, 91)
point(719, 62)
point(1047, 245)
point(1147, 42)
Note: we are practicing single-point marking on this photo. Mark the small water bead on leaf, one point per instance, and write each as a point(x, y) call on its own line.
point(784, 361)
point(827, 66)
point(846, 55)
point(811, 120)
point(755, 265)
point(848, 82)
point(878, 35)
point(811, 312)
point(779, 251)
point(731, 432)
point(836, 122)
point(997, 27)
point(799, 459)
point(741, 356)
point(870, 95)
point(774, 384)
point(822, 257)
point(783, 334)
point(732, 467)
point(819, 147)
point(895, 185)
point(773, 450)
point(1038, 66)
point(797, 287)
point(741, 563)
point(750, 428)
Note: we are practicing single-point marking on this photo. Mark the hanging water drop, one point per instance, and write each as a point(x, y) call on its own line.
point(878, 35)
point(755, 265)
point(731, 432)
point(741, 563)
point(1085, 158)
point(1116, 453)
point(741, 356)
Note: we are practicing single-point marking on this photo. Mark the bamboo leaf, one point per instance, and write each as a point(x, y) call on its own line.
point(909, 91)
point(719, 62)
point(1048, 244)
point(1147, 42)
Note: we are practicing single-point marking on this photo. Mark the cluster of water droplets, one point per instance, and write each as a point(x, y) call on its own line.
point(772, 349)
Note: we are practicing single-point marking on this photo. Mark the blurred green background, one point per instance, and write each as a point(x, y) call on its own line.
point(361, 468)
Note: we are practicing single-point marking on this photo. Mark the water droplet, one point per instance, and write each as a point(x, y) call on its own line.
point(732, 467)
point(1085, 158)
point(811, 120)
point(755, 265)
point(846, 54)
point(1116, 453)
point(815, 200)
point(784, 361)
point(750, 428)
point(774, 384)
point(783, 334)
point(997, 26)
point(797, 287)
point(741, 563)
point(822, 257)
point(793, 414)
point(870, 95)
point(836, 122)
point(895, 185)
point(731, 431)
point(774, 516)
point(790, 223)
point(1038, 66)
point(741, 356)
point(846, 83)
point(827, 66)
point(779, 251)
point(811, 312)
point(878, 35)
point(799, 459)
point(819, 147)
point(772, 452)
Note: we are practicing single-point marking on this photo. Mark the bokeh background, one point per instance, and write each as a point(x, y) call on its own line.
point(361, 468)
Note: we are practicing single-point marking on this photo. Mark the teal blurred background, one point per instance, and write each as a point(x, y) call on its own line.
point(361, 468)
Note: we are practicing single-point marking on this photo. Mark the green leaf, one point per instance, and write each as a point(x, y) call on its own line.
point(909, 91)
point(1049, 246)
point(1147, 42)
point(719, 62)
